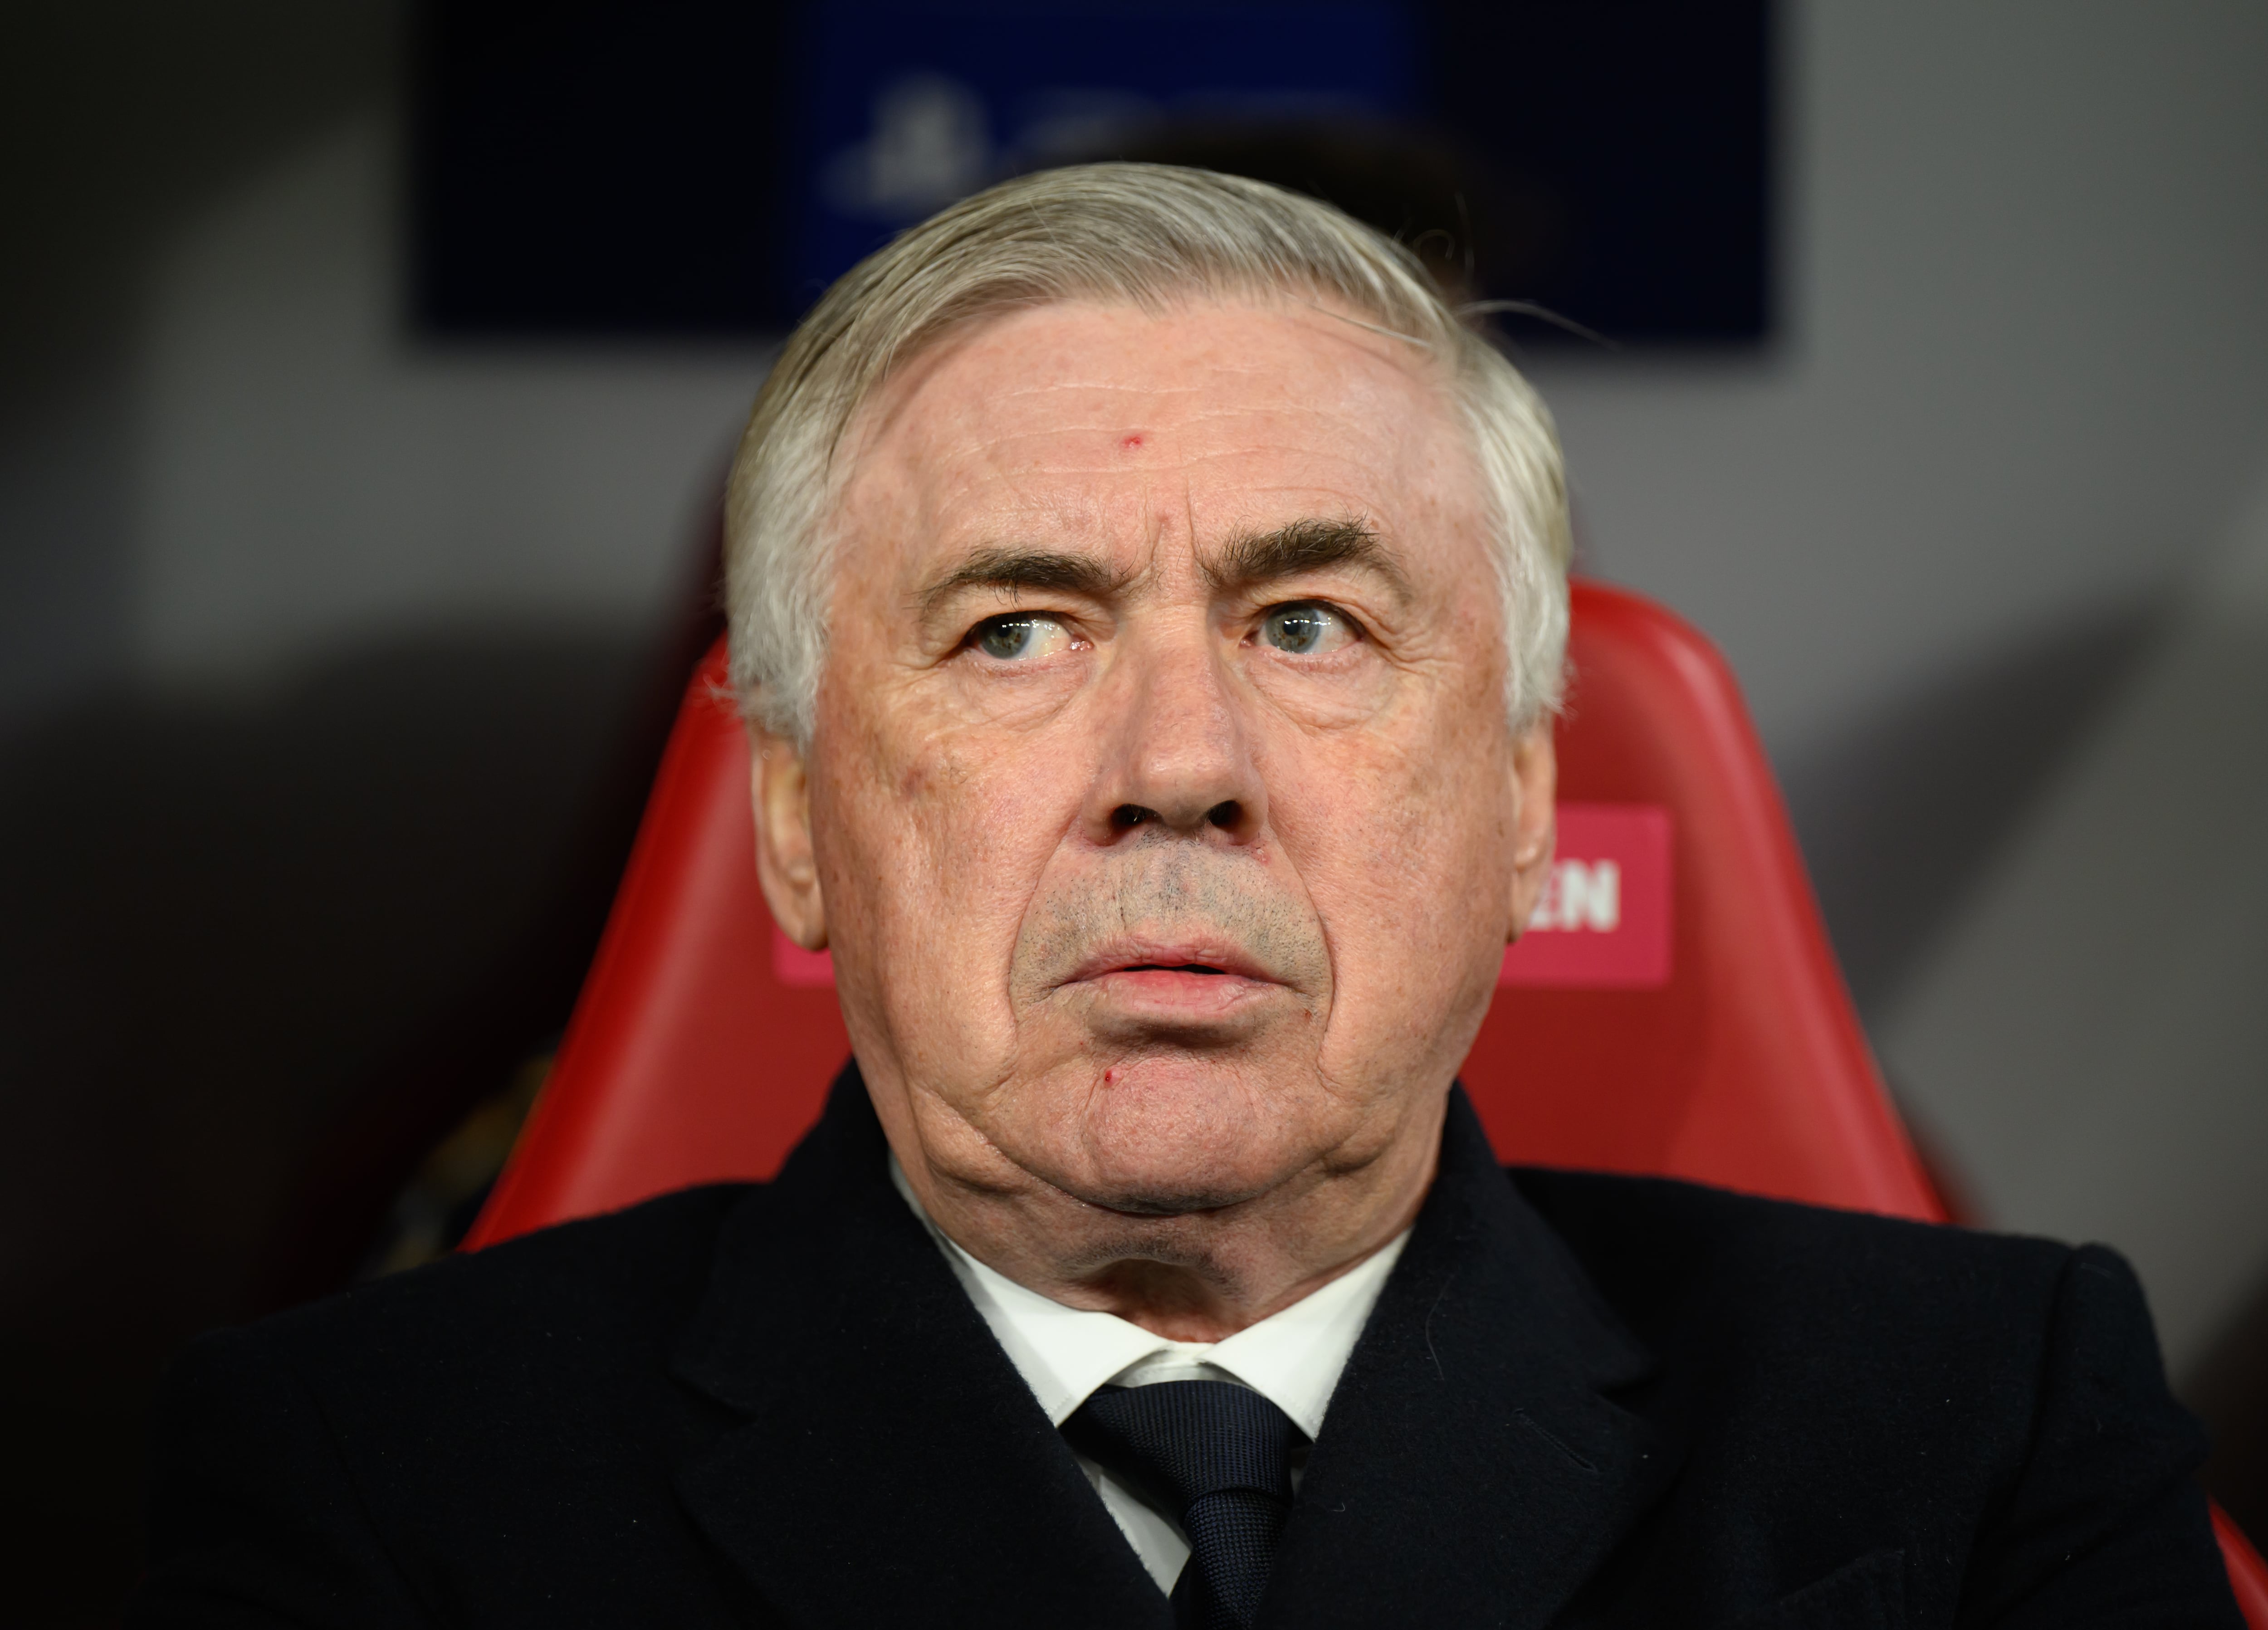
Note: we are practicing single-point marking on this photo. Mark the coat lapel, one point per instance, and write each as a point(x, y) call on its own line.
point(892, 1466)
point(1476, 1466)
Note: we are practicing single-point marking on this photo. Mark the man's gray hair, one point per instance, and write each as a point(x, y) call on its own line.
point(1148, 236)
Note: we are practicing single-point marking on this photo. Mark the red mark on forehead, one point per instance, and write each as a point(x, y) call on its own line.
point(1131, 442)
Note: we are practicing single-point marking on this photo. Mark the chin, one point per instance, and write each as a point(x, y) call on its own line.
point(1163, 1143)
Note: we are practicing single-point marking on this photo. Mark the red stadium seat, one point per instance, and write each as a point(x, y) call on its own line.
point(1675, 1009)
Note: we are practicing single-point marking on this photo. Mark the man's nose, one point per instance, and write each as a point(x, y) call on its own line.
point(1177, 754)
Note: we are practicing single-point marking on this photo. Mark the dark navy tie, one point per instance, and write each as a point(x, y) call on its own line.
point(1219, 1457)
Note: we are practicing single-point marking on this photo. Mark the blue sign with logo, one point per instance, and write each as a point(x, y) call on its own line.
point(907, 106)
point(708, 167)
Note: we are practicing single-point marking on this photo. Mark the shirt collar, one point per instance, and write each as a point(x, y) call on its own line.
point(1293, 1357)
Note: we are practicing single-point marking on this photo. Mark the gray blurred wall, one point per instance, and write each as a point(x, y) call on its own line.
point(232, 458)
point(2092, 1031)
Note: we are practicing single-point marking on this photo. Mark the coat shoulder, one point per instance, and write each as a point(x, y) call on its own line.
point(1667, 1255)
point(463, 1442)
point(1990, 1406)
point(591, 1289)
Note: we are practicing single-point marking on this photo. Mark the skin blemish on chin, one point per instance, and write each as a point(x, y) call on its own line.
point(1130, 443)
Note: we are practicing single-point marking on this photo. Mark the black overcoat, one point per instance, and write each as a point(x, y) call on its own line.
point(1581, 1401)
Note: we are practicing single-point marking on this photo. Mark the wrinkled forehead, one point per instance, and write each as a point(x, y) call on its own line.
point(1228, 414)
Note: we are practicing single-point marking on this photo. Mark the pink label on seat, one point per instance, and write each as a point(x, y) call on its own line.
point(1603, 923)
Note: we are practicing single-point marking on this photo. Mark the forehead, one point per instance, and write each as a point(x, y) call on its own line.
point(1222, 415)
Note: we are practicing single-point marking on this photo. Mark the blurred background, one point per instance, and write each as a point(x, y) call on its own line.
point(367, 373)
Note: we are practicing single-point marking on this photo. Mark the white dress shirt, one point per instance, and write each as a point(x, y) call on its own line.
point(1293, 1358)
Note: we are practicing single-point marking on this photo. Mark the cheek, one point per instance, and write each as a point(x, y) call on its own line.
point(936, 840)
point(1406, 850)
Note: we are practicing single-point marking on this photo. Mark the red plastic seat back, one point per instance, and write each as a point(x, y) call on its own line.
point(1742, 1063)
point(1677, 1010)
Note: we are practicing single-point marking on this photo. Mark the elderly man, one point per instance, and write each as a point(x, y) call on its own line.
point(1148, 598)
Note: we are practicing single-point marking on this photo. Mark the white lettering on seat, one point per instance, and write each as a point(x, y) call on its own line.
point(1604, 921)
point(1580, 895)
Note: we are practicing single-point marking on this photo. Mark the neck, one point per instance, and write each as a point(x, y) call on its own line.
point(1198, 1275)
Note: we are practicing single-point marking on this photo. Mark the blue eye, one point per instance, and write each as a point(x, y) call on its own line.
point(1306, 629)
point(1019, 636)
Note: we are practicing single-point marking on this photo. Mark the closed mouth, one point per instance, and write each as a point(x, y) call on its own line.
point(1203, 961)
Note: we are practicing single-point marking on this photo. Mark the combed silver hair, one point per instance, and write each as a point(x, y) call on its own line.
point(1150, 236)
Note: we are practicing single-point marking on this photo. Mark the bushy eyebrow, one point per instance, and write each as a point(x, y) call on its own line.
point(1008, 569)
point(1246, 561)
point(1255, 559)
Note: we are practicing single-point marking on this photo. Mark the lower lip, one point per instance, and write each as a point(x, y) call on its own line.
point(1190, 995)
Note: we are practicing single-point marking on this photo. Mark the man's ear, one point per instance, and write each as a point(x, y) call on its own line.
point(779, 789)
point(1535, 778)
